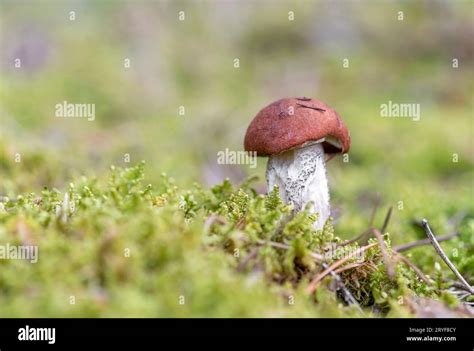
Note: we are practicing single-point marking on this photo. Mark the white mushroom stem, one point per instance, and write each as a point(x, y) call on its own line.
point(301, 177)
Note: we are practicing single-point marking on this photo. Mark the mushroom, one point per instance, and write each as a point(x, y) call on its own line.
point(299, 135)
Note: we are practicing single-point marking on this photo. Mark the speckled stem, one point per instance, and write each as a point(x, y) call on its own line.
point(301, 177)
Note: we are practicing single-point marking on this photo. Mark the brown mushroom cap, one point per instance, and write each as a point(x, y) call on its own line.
point(275, 129)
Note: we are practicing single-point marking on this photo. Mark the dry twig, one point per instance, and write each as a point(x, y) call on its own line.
point(385, 255)
point(369, 230)
point(213, 219)
point(357, 238)
point(348, 297)
point(349, 266)
point(315, 282)
point(418, 272)
point(461, 286)
point(405, 247)
point(386, 220)
point(444, 257)
point(252, 254)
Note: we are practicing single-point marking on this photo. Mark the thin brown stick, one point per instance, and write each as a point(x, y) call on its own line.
point(386, 220)
point(273, 244)
point(315, 282)
point(459, 285)
point(366, 232)
point(213, 219)
point(350, 299)
point(252, 254)
point(422, 242)
point(444, 257)
point(417, 271)
point(346, 293)
point(457, 218)
point(385, 255)
point(357, 238)
point(349, 266)
point(374, 212)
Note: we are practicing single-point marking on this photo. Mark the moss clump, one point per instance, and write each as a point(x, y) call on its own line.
point(124, 248)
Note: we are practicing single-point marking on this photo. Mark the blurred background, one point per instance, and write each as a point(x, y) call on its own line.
point(220, 62)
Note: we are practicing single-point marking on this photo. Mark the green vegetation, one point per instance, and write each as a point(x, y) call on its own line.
point(124, 248)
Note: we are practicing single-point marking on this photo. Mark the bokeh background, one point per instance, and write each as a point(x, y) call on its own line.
point(423, 168)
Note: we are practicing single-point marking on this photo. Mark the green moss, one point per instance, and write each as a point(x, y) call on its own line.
point(122, 247)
